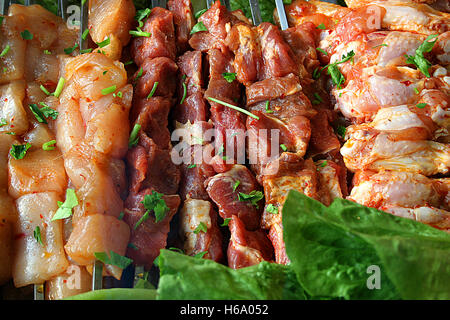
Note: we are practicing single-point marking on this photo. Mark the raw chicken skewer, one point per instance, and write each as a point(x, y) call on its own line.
point(391, 81)
point(37, 177)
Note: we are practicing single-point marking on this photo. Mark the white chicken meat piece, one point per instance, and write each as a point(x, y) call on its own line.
point(405, 194)
point(39, 253)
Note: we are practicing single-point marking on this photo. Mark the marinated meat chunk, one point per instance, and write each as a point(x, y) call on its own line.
point(247, 248)
point(227, 190)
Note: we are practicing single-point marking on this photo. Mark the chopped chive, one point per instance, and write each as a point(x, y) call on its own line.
point(233, 107)
point(85, 34)
point(89, 50)
point(104, 43)
point(191, 166)
point(380, 45)
point(318, 99)
point(109, 90)
point(323, 164)
point(134, 138)
point(184, 90)
point(59, 87)
point(26, 35)
point(128, 63)
point(3, 122)
point(283, 146)
point(323, 51)
point(267, 107)
point(140, 33)
point(121, 214)
point(416, 91)
point(321, 26)
point(49, 146)
point(44, 89)
point(341, 130)
point(152, 92)
point(5, 51)
point(47, 52)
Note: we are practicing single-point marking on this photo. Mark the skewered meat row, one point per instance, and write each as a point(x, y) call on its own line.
point(33, 42)
point(264, 62)
point(154, 178)
point(394, 88)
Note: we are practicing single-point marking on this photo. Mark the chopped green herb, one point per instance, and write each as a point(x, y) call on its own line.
point(152, 92)
point(322, 51)
point(236, 184)
point(421, 105)
point(3, 122)
point(418, 59)
point(318, 99)
point(254, 196)
point(72, 49)
point(49, 146)
point(416, 91)
point(109, 90)
point(47, 52)
point(59, 87)
point(200, 254)
point(202, 227)
point(114, 259)
point(44, 89)
point(332, 69)
point(341, 130)
point(37, 235)
point(141, 15)
point(128, 63)
point(18, 151)
point(48, 112)
point(85, 34)
point(65, 208)
point(321, 26)
point(191, 166)
point(11, 133)
point(198, 14)
point(38, 114)
point(272, 209)
point(132, 246)
point(153, 202)
point(198, 27)
point(121, 214)
point(1, 19)
point(184, 90)
point(104, 43)
point(89, 50)
point(225, 223)
point(26, 35)
point(323, 164)
point(138, 75)
point(283, 146)
point(380, 45)
point(5, 51)
point(229, 76)
point(134, 138)
point(267, 107)
point(233, 107)
point(316, 73)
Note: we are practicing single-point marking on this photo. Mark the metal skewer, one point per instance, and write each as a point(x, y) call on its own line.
point(256, 12)
point(282, 14)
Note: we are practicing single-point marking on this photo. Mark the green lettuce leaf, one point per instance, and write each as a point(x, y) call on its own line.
point(116, 294)
point(185, 277)
point(332, 251)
